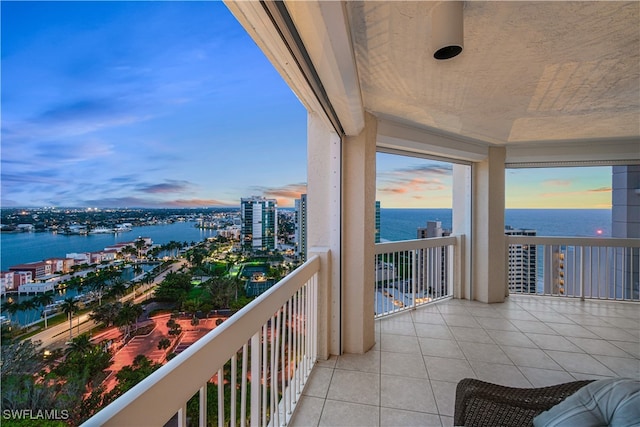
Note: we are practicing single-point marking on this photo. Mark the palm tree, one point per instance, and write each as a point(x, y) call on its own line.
point(117, 289)
point(69, 306)
point(140, 244)
point(29, 305)
point(106, 313)
point(11, 307)
point(43, 301)
point(79, 345)
point(77, 283)
point(128, 315)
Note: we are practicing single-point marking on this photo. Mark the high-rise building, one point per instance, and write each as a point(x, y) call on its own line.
point(432, 262)
point(433, 229)
point(522, 263)
point(377, 221)
point(301, 227)
point(625, 215)
point(259, 230)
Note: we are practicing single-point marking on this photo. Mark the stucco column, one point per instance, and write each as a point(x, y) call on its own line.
point(488, 258)
point(323, 226)
point(462, 228)
point(358, 238)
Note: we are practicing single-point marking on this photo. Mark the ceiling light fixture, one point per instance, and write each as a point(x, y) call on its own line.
point(447, 29)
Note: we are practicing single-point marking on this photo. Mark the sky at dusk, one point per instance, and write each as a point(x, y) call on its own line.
point(171, 104)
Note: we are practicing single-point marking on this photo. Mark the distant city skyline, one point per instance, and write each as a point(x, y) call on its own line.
point(171, 104)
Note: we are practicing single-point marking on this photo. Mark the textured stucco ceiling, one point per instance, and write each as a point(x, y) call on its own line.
point(529, 72)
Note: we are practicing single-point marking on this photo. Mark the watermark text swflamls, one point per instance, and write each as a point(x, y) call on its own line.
point(35, 414)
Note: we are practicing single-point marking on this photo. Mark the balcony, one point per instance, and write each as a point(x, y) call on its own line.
point(421, 349)
point(409, 377)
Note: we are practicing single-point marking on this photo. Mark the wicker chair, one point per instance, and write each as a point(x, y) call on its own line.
point(479, 403)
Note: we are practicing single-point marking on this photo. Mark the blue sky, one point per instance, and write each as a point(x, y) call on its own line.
point(171, 104)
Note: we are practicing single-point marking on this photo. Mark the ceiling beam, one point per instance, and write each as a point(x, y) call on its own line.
point(603, 152)
point(402, 137)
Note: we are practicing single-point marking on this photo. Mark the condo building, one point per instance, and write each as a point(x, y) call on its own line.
point(521, 274)
point(259, 230)
point(301, 227)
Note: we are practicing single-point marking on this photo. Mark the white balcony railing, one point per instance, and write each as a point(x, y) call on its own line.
point(600, 268)
point(250, 370)
point(413, 272)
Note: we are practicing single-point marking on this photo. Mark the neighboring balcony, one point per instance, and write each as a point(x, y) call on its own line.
point(426, 341)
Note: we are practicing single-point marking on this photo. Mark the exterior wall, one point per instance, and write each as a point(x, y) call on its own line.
point(37, 269)
point(35, 288)
point(22, 278)
point(79, 258)
point(60, 264)
point(6, 281)
point(108, 256)
point(230, 232)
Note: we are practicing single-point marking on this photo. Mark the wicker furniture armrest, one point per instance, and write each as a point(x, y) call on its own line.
point(480, 403)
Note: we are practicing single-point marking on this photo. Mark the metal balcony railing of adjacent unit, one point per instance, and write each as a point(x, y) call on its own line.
point(250, 370)
point(410, 273)
point(597, 268)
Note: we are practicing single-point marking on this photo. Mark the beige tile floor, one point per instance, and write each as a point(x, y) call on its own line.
point(410, 375)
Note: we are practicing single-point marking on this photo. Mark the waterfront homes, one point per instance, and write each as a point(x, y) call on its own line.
point(11, 280)
point(118, 247)
point(60, 265)
point(37, 269)
point(37, 287)
point(41, 276)
point(92, 257)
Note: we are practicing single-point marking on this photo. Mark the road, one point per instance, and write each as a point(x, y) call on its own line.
point(56, 336)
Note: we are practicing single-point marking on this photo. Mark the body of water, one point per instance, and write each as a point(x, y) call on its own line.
point(402, 224)
point(18, 248)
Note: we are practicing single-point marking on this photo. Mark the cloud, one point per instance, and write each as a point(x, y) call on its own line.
point(404, 186)
point(78, 110)
point(40, 177)
point(74, 118)
point(600, 190)
point(170, 186)
point(429, 169)
point(414, 179)
point(284, 195)
point(123, 179)
point(141, 202)
point(582, 193)
point(73, 152)
point(199, 203)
